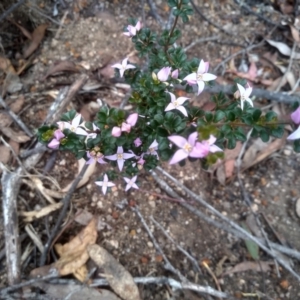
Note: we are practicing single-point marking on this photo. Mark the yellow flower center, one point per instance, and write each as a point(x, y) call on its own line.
point(120, 156)
point(199, 76)
point(187, 147)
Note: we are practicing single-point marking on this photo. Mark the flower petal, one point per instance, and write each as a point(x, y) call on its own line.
point(183, 110)
point(178, 140)
point(173, 98)
point(112, 157)
point(295, 135)
point(193, 138)
point(164, 73)
point(181, 100)
point(80, 131)
point(202, 67)
point(76, 121)
point(120, 164)
point(116, 131)
point(201, 85)
point(295, 116)
point(58, 134)
point(191, 78)
point(178, 156)
point(54, 144)
point(117, 66)
point(241, 89)
point(128, 155)
point(208, 77)
point(170, 107)
point(132, 119)
point(215, 148)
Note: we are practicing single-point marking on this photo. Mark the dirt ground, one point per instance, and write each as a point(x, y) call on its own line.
point(92, 39)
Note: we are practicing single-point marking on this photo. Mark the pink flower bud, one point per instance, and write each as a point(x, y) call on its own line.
point(116, 131)
point(164, 73)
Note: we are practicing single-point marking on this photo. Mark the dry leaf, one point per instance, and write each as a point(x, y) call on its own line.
point(5, 154)
point(270, 148)
point(33, 215)
point(257, 266)
point(37, 37)
point(18, 137)
point(284, 49)
point(73, 255)
point(119, 278)
point(88, 173)
point(61, 66)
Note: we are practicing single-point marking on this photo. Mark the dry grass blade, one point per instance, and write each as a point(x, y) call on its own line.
point(37, 37)
point(36, 214)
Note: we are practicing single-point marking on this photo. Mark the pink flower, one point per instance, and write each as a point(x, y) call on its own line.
point(73, 126)
point(295, 116)
point(130, 183)
point(105, 184)
point(207, 146)
point(187, 147)
point(200, 77)
point(126, 126)
point(152, 150)
point(177, 104)
point(175, 74)
point(58, 135)
point(132, 30)
point(95, 155)
point(164, 73)
point(120, 157)
point(244, 94)
point(123, 67)
point(137, 142)
point(295, 135)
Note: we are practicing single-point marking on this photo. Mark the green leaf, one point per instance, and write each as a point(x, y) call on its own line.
point(256, 115)
point(219, 115)
point(231, 141)
point(209, 116)
point(278, 132)
point(297, 146)
point(264, 135)
point(159, 118)
point(240, 136)
point(271, 116)
point(251, 246)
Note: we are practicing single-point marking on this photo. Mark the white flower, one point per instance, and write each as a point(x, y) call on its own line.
point(105, 184)
point(177, 104)
point(123, 67)
point(244, 94)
